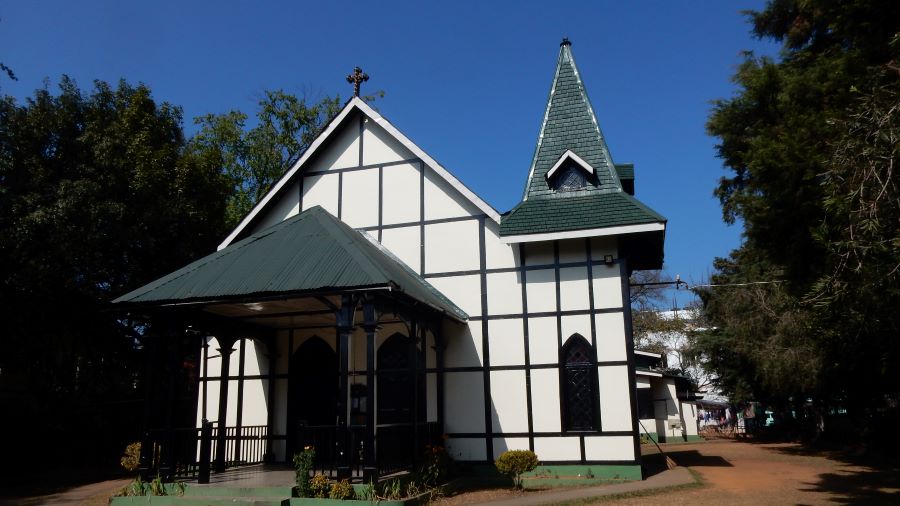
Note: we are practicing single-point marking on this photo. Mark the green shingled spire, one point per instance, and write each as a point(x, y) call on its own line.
point(595, 201)
point(569, 124)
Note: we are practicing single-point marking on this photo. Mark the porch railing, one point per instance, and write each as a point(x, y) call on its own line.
point(398, 446)
point(177, 453)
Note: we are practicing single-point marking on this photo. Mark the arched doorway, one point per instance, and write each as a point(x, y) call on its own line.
point(395, 396)
point(312, 391)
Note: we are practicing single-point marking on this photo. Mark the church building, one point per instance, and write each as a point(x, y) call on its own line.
point(371, 304)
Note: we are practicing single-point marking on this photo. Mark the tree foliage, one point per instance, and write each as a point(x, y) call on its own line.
point(97, 196)
point(255, 154)
point(810, 143)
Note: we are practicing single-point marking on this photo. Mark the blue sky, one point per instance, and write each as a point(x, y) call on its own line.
point(467, 81)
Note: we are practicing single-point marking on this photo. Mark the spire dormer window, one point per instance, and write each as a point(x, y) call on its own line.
point(569, 173)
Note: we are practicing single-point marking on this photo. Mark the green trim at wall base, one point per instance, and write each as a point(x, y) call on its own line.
point(694, 438)
point(571, 474)
point(564, 474)
point(651, 435)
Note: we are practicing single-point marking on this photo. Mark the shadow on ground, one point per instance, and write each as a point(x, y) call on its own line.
point(656, 463)
point(865, 479)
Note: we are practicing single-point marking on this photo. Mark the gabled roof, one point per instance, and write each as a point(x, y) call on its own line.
point(356, 103)
point(569, 125)
point(308, 253)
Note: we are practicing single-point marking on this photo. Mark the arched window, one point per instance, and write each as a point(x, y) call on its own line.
point(578, 377)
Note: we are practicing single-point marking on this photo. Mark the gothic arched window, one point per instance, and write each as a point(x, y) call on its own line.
point(578, 376)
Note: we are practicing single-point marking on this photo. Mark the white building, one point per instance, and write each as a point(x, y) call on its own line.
point(371, 301)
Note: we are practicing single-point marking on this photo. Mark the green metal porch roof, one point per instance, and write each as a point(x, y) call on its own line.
point(308, 253)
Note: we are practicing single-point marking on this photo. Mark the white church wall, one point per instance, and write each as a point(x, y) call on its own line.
point(689, 413)
point(502, 444)
point(342, 150)
point(540, 287)
point(609, 448)
point(460, 290)
point(442, 200)
point(359, 203)
point(615, 400)
point(463, 346)
point(571, 251)
point(607, 286)
point(508, 401)
point(405, 243)
point(573, 289)
point(557, 448)
point(539, 253)
point(610, 337)
point(321, 190)
point(381, 147)
point(281, 209)
point(452, 246)
point(400, 193)
point(498, 255)
point(507, 342)
point(504, 295)
point(545, 401)
point(463, 449)
point(464, 402)
point(575, 324)
point(543, 343)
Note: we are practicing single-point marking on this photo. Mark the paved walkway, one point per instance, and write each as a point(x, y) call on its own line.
point(75, 496)
point(669, 478)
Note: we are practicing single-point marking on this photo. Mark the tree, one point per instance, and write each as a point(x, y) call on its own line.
point(97, 196)
point(255, 158)
point(810, 142)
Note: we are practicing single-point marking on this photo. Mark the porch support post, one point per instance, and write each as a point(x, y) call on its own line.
point(226, 343)
point(150, 344)
point(414, 386)
point(370, 325)
point(438, 330)
point(347, 446)
point(173, 336)
point(272, 352)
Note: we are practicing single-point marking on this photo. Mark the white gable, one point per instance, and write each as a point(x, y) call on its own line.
point(326, 167)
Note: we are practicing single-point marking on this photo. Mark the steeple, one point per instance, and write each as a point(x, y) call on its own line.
point(574, 189)
point(569, 126)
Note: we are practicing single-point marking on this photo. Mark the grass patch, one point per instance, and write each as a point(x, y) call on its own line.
point(698, 483)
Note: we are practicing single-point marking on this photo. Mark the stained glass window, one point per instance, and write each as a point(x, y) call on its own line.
point(571, 178)
point(579, 385)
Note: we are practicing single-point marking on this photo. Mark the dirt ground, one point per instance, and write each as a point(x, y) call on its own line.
point(733, 472)
point(742, 472)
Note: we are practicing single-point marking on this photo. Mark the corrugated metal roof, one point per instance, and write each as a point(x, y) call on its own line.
point(313, 251)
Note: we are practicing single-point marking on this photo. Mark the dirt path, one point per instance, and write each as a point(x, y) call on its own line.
point(737, 472)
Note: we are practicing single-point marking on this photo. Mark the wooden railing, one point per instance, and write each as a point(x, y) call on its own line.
point(179, 452)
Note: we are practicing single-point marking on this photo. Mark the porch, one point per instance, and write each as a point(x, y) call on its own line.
point(337, 345)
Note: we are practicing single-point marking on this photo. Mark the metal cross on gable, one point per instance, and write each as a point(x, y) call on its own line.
point(357, 77)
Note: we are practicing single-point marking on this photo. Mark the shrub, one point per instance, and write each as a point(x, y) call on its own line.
point(341, 490)
point(319, 486)
point(514, 463)
point(131, 459)
point(303, 463)
point(435, 465)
